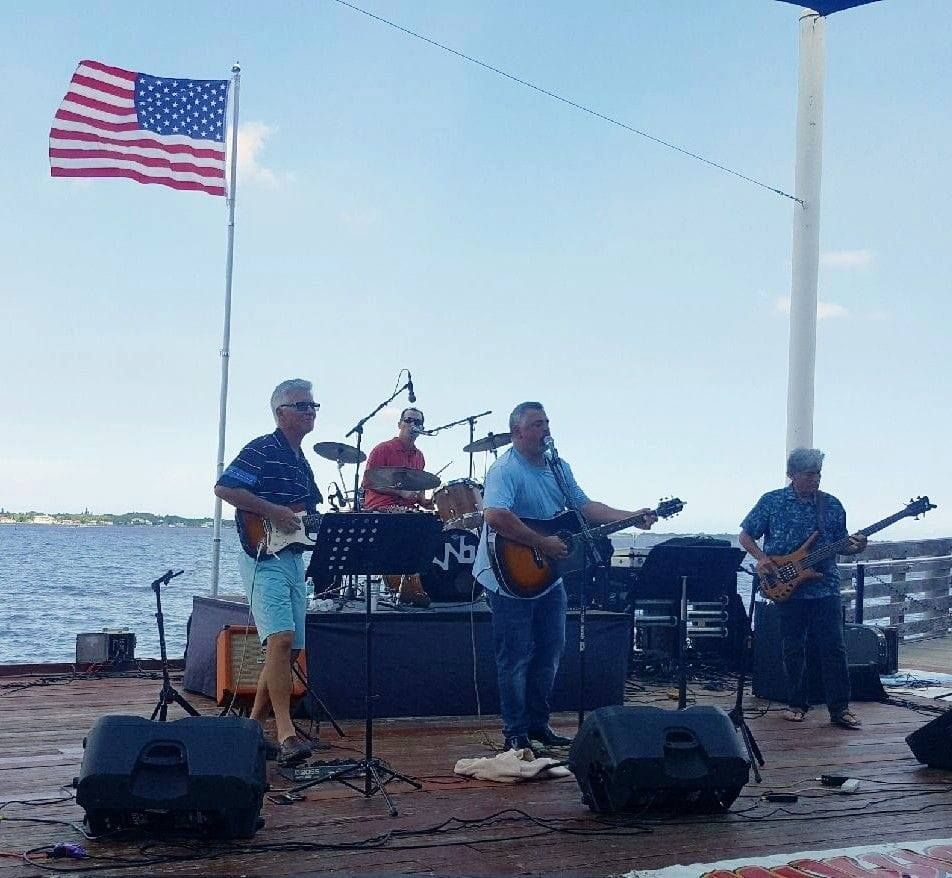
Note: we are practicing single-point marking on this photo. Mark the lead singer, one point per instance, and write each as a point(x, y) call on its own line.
point(529, 633)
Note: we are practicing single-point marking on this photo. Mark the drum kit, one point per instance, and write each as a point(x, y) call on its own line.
point(458, 503)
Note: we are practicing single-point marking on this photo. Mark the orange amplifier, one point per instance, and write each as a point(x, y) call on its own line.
point(240, 660)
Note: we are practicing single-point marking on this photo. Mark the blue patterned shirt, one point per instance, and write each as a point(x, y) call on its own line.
point(785, 521)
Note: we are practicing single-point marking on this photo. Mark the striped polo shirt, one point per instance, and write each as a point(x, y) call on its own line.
point(271, 469)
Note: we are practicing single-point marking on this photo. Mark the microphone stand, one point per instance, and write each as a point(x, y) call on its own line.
point(358, 428)
point(593, 556)
point(168, 695)
point(469, 419)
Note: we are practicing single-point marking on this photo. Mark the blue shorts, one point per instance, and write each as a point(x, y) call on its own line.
point(277, 593)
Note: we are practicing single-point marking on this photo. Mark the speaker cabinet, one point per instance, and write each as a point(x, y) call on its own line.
point(639, 758)
point(932, 744)
point(870, 651)
point(197, 773)
point(240, 661)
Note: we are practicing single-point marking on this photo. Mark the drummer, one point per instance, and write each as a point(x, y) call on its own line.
point(401, 451)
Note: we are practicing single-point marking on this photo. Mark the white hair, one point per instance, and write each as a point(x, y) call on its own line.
point(284, 391)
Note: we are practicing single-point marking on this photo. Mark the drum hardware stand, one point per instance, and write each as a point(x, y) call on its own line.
point(168, 695)
point(357, 544)
point(736, 713)
point(471, 420)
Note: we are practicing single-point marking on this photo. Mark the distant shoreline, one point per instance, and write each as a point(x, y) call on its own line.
point(128, 519)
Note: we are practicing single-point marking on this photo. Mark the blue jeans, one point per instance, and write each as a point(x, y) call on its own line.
point(822, 619)
point(529, 637)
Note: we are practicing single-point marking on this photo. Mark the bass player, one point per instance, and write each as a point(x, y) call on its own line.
point(786, 518)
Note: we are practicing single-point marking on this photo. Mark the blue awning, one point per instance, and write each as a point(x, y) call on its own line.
point(827, 7)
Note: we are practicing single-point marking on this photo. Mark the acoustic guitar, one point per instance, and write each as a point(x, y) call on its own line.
point(797, 567)
point(524, 572)
point(260, 538)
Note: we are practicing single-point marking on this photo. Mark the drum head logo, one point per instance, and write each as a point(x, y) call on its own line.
point(458, 547)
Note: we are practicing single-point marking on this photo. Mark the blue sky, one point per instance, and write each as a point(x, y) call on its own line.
point(398, 207)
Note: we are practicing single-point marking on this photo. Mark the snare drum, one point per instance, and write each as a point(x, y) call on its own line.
point(460, 504)
point(449, 575)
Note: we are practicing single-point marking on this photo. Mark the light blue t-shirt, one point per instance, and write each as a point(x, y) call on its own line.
point(526, 490)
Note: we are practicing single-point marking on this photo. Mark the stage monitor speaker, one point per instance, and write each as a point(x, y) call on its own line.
point(640, 758)
point(868, 654)
point(932, 744)
point(196, 773)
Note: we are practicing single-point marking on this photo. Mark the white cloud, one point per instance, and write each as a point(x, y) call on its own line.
point(252, 139)
point(824, 310)
point(846, 259)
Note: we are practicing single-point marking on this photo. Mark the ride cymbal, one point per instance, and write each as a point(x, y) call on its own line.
point(338, 451)
point(488, 443)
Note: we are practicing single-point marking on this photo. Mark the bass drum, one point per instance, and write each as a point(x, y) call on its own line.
point(449, 576)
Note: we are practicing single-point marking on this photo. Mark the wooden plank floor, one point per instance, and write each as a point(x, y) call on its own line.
point(929, 654)
point(457, 826)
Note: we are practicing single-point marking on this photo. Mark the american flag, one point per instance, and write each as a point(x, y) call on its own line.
point(151, 129)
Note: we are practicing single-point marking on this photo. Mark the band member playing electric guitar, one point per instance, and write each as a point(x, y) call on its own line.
point(271, 478)
point(400, 451)
point(529, 633)
point(787, 519)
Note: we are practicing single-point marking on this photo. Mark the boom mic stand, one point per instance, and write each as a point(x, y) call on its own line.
point(168, 695)
point(358, 428)
point(469, 419)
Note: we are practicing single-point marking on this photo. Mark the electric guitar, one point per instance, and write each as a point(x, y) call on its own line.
point(260, 538)
point(797, 567)
point(524, 572)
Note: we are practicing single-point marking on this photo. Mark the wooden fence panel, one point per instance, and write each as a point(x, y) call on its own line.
point(915, 575)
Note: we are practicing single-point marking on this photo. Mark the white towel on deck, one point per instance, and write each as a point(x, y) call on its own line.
point(511, 767)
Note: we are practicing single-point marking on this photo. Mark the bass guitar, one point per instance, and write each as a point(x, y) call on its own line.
point(261, 539)
point(797, 567)
point(524, 572)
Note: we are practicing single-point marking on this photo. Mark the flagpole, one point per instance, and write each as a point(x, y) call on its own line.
point(801, 373)
point(226, 334)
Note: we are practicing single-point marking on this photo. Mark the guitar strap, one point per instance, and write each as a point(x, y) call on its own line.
point(820, 506)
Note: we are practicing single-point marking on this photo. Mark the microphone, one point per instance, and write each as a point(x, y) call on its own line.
point(340, 498)
point(549, 451)
point(410, 394)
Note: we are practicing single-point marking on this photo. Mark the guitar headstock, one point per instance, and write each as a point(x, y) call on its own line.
point(669, 507)
point(919, 506)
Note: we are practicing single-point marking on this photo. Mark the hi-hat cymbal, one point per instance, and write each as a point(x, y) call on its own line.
point(338, 451)
point(488, 443)
point(400, 478)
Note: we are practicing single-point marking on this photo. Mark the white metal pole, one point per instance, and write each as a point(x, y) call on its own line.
point(226, 335)
point(806, 233)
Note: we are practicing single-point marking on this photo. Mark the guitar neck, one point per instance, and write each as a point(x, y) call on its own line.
point(837, 547)
point(610, 528)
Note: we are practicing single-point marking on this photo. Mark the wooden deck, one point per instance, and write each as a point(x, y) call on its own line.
point(456, 826)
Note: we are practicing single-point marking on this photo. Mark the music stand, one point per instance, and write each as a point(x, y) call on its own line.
point(686, 572)
point(354, 543)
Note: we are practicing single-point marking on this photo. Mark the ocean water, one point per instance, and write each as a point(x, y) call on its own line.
point(57, 582)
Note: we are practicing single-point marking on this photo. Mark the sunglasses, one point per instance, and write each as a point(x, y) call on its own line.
point(418, 421)
point(301, 406)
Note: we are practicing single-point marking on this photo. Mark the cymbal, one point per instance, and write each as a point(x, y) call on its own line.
point(401, 478)
point(339, 451)
point(488, 443)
